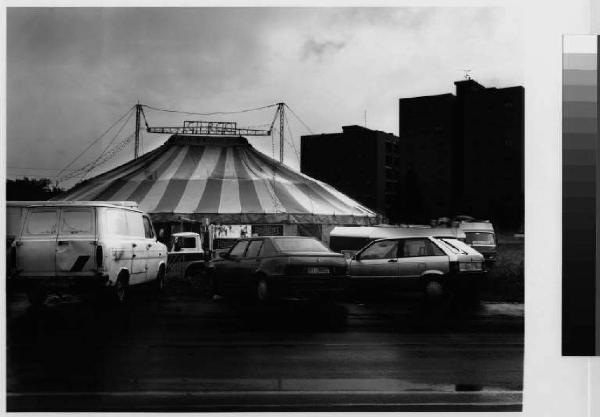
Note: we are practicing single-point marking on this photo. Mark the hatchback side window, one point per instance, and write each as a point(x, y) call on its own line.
point(416, 247)
point(41, 222)
point(239, 248)
point(77, 221)
point(254, 249)
point(385, 249)
point(434, 250)
point(148, 231)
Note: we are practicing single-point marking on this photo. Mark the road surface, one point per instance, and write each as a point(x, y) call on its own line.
point(180, 352)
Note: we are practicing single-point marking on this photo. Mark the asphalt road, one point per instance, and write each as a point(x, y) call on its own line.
point(180, 352)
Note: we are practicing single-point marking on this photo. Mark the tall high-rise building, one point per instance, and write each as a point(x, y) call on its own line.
point(360, 162)
point(463, 153)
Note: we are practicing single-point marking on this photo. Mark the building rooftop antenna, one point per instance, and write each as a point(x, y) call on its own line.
point(467, 75)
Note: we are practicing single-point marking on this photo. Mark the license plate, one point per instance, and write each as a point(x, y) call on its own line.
point(318, 270)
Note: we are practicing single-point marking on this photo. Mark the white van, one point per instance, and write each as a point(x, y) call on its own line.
point(481, 236)
point(73, 246)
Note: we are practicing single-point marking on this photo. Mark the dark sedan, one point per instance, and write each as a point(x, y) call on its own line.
point(278, 267)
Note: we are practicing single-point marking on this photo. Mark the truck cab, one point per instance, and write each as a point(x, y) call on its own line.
point(186, 256)
point(186, 243)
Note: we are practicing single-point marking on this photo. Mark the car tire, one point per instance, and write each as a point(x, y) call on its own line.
point(262, 291)
point(121, 291)
point(211, 288)
point(161, 280)
point(434, 291)
point(37, 296)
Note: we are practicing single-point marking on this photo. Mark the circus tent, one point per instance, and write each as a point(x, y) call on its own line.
point(221, 180)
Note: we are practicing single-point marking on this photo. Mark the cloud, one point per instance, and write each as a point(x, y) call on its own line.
point(319, 50)
point(71, 72)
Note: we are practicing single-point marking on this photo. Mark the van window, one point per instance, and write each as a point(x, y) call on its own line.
point(135, 224)
point(116, 222)
point(41, 222)
point(77, 221)
point(480, 238)
point(148, 229)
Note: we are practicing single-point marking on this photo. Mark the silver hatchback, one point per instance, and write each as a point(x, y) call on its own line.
point(433, 265)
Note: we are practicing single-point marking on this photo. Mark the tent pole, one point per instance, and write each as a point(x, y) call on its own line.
point(281, 121)
point(138, 109)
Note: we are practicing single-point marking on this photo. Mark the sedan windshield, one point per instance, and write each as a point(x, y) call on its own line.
point(300, 245)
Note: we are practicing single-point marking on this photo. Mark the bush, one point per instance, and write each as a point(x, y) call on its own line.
point(505, 280)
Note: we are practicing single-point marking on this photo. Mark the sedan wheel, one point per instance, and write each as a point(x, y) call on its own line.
point(120, 292)
point(262, 291)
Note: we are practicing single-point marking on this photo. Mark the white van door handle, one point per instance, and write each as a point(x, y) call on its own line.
point(134, 245)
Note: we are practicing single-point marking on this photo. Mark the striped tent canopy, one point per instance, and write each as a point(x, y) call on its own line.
point(223, 179)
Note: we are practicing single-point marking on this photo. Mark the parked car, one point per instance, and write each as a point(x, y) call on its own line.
point(433, 265)
point(348, 240)
point(481, 236)
point(82, 246)
point(185, 250)
point(276, 267)
point(187, 260)
point(222, 245)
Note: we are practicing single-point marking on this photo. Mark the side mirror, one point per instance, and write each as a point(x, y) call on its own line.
point(177, 246)
point(356, 257)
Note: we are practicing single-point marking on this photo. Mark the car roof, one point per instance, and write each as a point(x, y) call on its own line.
point(391, 231)
point(186, 234)
point(410, 238)
point(472, 226)
point(277, 237)
point(128, 205)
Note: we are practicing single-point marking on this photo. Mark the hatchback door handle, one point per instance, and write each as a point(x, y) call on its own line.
point(149, 245)
point(393, 260)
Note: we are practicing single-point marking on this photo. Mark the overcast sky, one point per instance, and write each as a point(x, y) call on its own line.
point(72, 72)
